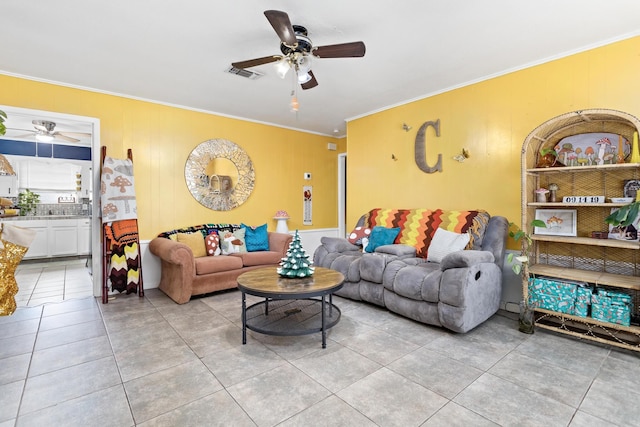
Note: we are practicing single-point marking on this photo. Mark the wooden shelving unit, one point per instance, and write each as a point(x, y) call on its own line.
point(609, 263)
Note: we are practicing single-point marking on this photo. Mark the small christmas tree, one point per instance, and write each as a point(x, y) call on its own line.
point(296, 263)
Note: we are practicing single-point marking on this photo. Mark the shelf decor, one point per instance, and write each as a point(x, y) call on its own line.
point(559, 222)
point(566, 250)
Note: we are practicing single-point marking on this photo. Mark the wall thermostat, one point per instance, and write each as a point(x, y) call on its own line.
point(307, 175)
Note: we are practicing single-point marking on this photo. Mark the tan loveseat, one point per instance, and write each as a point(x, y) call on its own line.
point(184, 275)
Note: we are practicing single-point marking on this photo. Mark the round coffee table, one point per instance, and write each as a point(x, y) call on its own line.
point(290, 306)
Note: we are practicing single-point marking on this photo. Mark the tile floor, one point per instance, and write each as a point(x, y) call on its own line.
point(150, 362)
point(56, 280)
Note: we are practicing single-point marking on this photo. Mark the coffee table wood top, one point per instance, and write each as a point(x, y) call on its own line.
point(267, 282)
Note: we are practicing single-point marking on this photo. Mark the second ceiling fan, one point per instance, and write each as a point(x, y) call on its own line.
point(297, 50)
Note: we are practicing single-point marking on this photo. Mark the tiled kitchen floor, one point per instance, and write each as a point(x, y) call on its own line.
point(150, 362)
point(41, 282)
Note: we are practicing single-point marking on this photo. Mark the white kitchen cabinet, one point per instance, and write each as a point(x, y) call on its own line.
point(84, 236)
point(8, 186)
point(39, 248)
point(86, 182)
point(63, 235)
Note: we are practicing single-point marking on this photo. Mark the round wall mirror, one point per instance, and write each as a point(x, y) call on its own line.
point(219, 174)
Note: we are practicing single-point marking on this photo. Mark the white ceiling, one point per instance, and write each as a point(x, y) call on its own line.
point(176, 52)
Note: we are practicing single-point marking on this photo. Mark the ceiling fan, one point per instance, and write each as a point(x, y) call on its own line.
point(297, 50)
point(44, 132)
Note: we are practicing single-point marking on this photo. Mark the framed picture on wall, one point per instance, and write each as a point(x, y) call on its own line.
point(559, 222)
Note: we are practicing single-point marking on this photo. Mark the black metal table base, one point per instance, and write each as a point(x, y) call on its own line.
point(290, 317)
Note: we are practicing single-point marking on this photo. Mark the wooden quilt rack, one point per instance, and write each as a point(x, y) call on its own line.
point(107, 250)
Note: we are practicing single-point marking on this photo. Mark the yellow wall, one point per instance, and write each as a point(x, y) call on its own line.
point(162, 137)
point(491, 119)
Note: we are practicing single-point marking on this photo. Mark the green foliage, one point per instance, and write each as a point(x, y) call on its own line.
point(3, 128)
point(27, 202)
point(624, 216)
point(522, 236)
point(545, 151)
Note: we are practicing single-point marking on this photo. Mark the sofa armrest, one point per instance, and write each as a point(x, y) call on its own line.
point(397, 250)
point(178, 268)
point(171, 251)
point(466, 258)
point(338, 244)
point(279, 242)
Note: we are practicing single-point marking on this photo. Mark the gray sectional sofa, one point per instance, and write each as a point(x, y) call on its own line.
point(459, 292)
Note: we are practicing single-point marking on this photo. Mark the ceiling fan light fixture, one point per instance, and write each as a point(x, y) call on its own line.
point(282, 67)
point(44, 137)
point(303, 78)
point(303, 63)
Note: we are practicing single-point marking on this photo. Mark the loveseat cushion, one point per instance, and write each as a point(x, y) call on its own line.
point(420, 282)
point(258, 258)
point(216, 264)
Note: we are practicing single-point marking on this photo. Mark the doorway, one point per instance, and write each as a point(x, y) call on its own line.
point(92, 126)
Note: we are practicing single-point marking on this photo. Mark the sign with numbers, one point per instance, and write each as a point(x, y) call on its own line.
point(583, 199)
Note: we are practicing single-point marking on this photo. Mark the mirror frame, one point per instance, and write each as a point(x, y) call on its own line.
point(199, 182)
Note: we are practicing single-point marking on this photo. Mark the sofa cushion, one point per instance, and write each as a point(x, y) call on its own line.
point(258, 258)
point(445, 242)
point(257, 238)
point(355, 237)
point(216, 264)
point(195, 241)
point(381, 236)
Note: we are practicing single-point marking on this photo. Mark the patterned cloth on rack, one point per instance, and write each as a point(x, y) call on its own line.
point(117, 192)
point(124, 270)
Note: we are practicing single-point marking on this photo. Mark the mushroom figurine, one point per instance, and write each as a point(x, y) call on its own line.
point(541, 195)
point(552, 192)
point(603, 143)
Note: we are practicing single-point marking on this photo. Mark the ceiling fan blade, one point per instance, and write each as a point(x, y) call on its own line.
point(26, 135)
point(73, 134)
point(311, 83)
point(258, 61)
point(282, 25)
point(343, 50)
point(58, 135)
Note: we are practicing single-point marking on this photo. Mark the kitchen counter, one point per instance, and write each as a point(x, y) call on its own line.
point(38, 217)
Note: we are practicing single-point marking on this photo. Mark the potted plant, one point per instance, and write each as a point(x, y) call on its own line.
point(548, 158)
point(525, 318)
point(624, 218)
point(3, 117)
point(27, 202)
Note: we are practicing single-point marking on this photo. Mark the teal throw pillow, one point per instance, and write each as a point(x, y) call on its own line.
point(256, 238)
point(381, 236)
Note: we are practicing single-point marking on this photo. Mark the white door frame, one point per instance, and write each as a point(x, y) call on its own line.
point(342, 194)
point(96, 226)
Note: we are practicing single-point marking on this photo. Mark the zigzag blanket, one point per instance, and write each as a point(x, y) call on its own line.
point(418, 226)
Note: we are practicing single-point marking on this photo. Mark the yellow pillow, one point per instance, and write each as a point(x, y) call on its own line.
point(195, 241)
